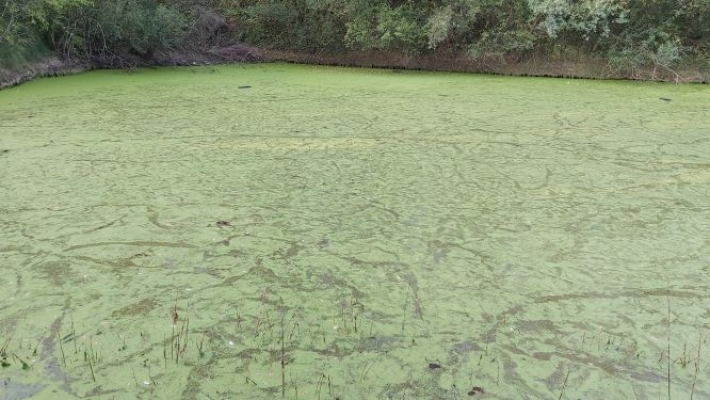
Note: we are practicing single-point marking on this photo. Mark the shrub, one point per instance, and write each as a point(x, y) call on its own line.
point(110, 28)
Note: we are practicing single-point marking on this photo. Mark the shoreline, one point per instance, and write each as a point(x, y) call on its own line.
point(237, 53)
point(49, 67)
point(583, 69)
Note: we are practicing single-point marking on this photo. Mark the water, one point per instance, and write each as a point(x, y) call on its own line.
point(269, 231)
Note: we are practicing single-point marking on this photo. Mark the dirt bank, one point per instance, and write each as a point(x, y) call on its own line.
point(48, 67)
point(578, 68)
point(535, 66)
point(54, 66)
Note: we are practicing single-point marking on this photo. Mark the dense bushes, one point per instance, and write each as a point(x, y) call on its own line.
point(626, 33)
point(22, 27)
point(109, 29)
point(107, 32)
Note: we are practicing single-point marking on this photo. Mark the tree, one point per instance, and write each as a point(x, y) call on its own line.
point(23, 24)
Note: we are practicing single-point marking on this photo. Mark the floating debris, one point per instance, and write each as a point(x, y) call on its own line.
point(476, 390)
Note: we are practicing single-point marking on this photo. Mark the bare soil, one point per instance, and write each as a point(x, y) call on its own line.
point(578, 67)
point(48, 67)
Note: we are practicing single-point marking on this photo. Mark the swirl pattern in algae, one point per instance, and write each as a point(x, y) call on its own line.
point(268, 231)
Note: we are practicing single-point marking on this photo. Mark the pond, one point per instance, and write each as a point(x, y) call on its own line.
point(268, 231)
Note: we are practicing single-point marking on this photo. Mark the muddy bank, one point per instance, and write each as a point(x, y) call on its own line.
point(588, 68)
point(234, 53)
point(54, 66)
point(238, 53)
point(49, 67)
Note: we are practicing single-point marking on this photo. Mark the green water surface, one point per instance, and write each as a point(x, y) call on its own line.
point(269, 231)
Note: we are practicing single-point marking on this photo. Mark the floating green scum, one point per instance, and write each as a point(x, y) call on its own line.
point(282, 231)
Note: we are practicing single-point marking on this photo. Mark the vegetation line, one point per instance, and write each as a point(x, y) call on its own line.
point(697, 366)
point(564, 385)
point(404, 309)
point(283, 358)
point(656, 39)
point(61, 348)
point(91, 361)
point(668, 341)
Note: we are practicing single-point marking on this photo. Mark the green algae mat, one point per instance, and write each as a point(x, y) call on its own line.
point(279, 231)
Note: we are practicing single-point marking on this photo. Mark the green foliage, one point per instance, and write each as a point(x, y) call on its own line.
point(641, 32)
point(627, 32)
point(118, 27)
point(439, 26)
point(31, 49)
point(658, 48)
point(308, 25)
point(498, 43)
point(152, 26)
point(387, 28)
point(22, 26)
point(585, 18)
